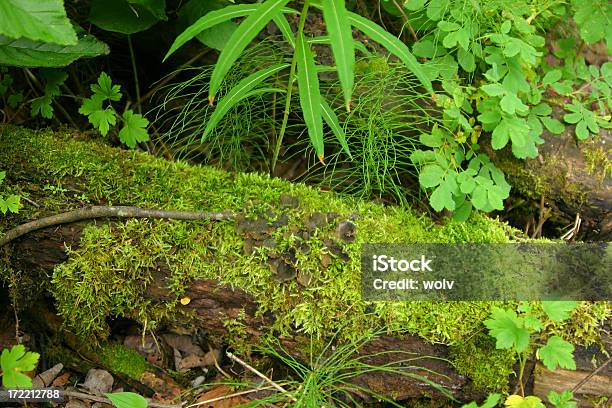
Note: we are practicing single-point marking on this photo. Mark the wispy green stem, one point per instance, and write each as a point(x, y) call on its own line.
point(281, 133)
point(135, 72)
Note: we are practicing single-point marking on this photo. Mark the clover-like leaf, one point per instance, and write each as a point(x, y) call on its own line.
point(14, 363)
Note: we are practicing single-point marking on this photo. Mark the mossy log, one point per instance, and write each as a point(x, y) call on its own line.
point(287, 265)
point(573, 177)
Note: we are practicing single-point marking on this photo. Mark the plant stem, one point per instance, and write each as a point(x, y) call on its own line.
point(522, 361)
point(135, 72)
point(281, 134)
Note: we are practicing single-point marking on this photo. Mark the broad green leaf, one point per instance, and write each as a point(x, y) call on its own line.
point(512, 104)
point(553, 125)
point(213, 37)
point(121, 16)
point(551, 77)
point(494, 89)
point(433, 139)
point(505, 27)
point(466, 60)
point(462, 212)
point(508, 330)
point(244, 34)
point(557, 353)
point(310, 96)
point(14, 363)
point(42, 106)
point(283, 25)
point(134, 129)
point(516, 401)
point(559, 310)
point(436, 9)
point(431, 175)
point(393, 45)
point(209, 20)
point(28, 53)
point(582, 133)
point(341, 36)
point(448, 26)
point(127, 400)
point(11, 203)
point(237, 93)
point(414, 5)
point(155, 7)
point(101, 118)
point(332, 121)
point(36, 20)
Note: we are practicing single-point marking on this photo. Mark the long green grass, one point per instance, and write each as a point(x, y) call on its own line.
point(330, 377)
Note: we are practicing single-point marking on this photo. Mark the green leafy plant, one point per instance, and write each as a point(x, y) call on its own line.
point(127, 400)
point(522, 333)
point(14, 363)
point(102, 115)
point(8, 202)
point(303, 67)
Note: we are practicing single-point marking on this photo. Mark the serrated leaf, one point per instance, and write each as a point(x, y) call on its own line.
point(42, 106)
point(494, 89)
point(28, 53)
point(559, 310)
point(508, 330)
point(127, 400)
point(101, 118)
point(134, 129)
point(40, 20)
point(557, 353)
point(14, 99)
point(431, 176)
point(563, 400)
point(244, 34)
point(341, 37)
point(512, 104)
point(238, 93)
point(393, 45)
point(106, 89)
point(14, 363)
point(332, 121)
point(310, 96)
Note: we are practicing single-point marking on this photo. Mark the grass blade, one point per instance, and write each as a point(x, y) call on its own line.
point(341, 36)
point(332, 121)
point(240, 91)
point(283, 25)
point(310, 96)
point(209, 20)
point(243, 35)
point(392, 44)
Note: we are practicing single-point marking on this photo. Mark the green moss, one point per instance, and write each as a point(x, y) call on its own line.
point(109, 274)
point(120, 359)
point(488, 368)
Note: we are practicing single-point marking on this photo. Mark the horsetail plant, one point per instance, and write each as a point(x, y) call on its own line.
point(303, 68)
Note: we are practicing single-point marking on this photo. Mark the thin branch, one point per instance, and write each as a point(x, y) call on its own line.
point(406, 20)
point(591, 375)
point(260, 375)
point(224, 397)
point(107, 212)
point(82, 395)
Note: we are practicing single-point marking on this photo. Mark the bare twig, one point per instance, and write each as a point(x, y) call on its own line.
point(107, 212)
point(591, 375)
point(406, 20)
point(260, 375)
point(26, 199)
point(82, 395)
point(224, 397)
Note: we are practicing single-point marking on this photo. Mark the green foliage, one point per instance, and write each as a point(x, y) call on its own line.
point(42, 20)
point(520, 333)
point(53, 79)
point(10, 202)
point(339, 24)
point(102, 114)
point(213, 37)
point(127, 400)
point(127, 16)
point(13, 363)
point(563, 400)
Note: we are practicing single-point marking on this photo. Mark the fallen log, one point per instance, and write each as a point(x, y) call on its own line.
point(286, 264)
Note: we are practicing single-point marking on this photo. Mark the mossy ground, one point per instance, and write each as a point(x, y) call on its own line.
point(108, 273)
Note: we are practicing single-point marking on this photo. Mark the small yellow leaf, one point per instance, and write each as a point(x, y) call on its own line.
point(185, 301)
point(321, 160)
point(211, 100)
